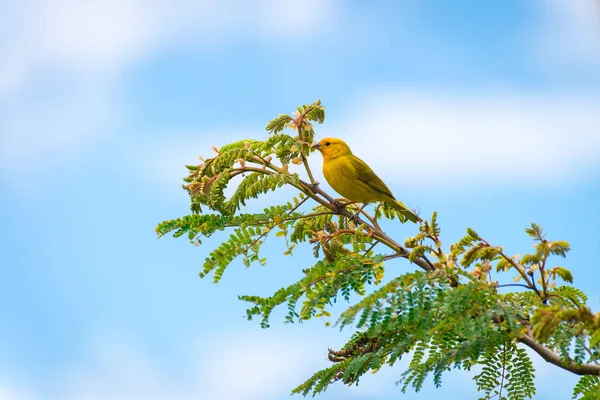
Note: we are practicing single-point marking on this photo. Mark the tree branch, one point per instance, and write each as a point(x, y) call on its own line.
point(553, 358)
point(382, 236)
point(513, 284)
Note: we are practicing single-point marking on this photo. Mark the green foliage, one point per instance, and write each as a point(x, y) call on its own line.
point(443, 328)
point(588, 388)
point(193, 225)
point(561, 324)
point(256, 184)
point(278, 124)
point(507, 373)
point(321, 286)
point(452, 314)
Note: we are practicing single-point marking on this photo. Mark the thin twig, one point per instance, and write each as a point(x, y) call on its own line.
point(514, 285)
point(543, 277)
point(592, 356)
point(313, 191)
point(367, 251)
point(503, 371)
point(519, 269)
point(304, 159)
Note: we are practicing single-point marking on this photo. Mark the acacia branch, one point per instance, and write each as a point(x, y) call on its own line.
point(263, 165)
point(378, 233)
point(320, 196)
point(553, 358)
point(313, 191)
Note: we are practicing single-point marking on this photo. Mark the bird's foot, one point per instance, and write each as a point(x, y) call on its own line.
point(354, 217)
point(339, 205)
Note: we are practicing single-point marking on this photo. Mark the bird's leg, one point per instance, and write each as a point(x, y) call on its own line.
point(355, 216)
point(339, 205)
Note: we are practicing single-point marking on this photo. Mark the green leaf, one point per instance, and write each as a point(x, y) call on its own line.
point(535, 231)
point(564, 273)
point(560, 248)
point(278, 124)
point(588, 386)
point(503, 265)
point(472, 234)
point(418, 252)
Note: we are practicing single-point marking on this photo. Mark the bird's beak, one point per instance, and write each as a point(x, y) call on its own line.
point(316, 146)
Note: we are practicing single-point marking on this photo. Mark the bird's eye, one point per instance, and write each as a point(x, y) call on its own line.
point(327, 144)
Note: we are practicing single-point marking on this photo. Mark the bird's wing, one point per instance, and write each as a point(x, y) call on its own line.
point(365, 174)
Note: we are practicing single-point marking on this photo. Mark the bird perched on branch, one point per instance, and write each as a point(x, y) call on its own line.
point(354, 179)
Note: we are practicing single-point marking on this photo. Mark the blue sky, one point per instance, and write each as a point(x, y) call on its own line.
point(483, 111)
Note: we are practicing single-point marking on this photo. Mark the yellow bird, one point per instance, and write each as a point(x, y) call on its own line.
point(354, 179)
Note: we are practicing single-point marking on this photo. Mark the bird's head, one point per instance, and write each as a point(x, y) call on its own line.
point(332, 147)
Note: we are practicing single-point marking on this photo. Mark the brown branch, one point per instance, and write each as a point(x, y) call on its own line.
point(378, 233)
point(371, 219)
point(243, 170)
point(513, 284)
point(338, 232)
point(553, 358)
point(313, 191)
point(592, 356)
point(392, 256)
point(371, 248)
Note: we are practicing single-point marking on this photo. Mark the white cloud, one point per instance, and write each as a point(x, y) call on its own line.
point(432, 139)
point(252, 366)
point(258, 365)
point(568, 33)
point(60, 64)
point(62, 61)
point(13, 394)
point(161, 163)
point(94, 34)
point(83, 41)
point(106, 35)
point(53, 122)
point(75, 53)
point(249, 365)
point(293, 19)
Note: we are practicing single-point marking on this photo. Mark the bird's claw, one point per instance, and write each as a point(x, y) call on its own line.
point(355, 217)
point(339, 205)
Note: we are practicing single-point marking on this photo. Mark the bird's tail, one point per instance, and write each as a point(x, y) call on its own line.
point(411, 216)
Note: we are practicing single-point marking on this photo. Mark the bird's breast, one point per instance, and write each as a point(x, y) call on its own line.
point(341, 176)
